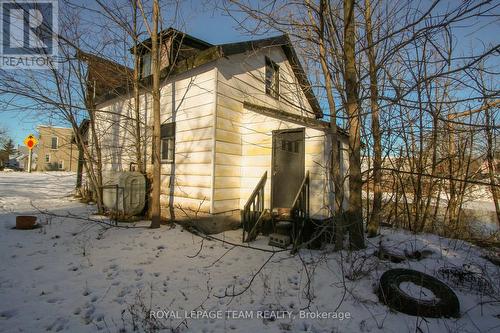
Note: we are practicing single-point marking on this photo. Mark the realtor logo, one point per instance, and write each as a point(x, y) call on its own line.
point(29, 34)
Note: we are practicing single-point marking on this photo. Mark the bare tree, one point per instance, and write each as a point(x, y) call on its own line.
point(374, 221)
point(323, 31)
point(62, 92)
point(355, 214)
point(155, 56)
point(153, 30)
point(136, 85)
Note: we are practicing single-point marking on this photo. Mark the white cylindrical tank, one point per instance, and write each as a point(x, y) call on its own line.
point(128, 187)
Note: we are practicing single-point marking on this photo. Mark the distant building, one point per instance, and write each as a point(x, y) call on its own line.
point(21, 158)
point(55, 149)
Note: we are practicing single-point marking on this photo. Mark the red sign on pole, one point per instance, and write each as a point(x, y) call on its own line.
point(30, 141)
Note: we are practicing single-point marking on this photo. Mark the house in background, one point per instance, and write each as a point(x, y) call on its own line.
point(240, 124)
point(22, 157)
point(17, 160)
point(56, 150)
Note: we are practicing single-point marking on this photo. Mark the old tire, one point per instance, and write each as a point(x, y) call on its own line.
point(445, 303)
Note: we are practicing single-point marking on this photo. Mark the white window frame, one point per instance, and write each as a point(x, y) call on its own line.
point(60, 165)
point(149, 65)
point(170, 147)
point(272, 83)
point(170, 144)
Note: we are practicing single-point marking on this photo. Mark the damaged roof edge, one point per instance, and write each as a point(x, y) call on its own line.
point(201, 58)
point(88, 57)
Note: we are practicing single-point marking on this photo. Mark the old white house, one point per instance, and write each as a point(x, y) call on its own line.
point(231, 114)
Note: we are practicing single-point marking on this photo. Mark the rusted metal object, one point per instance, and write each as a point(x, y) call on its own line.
point(25, 222)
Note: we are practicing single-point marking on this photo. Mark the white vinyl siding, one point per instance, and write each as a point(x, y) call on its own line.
point(188, 100)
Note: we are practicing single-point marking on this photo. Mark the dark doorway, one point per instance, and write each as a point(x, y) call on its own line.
point(287, 166)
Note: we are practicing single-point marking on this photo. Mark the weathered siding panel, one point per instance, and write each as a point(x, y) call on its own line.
point(227, 152)
point(114, 125)
point(189, 101)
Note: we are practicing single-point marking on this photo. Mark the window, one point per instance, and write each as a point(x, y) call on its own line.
point(272, 78)
point(290, 146)
point(146, 65)
point(54, 143)
point(167, 142)
point(47, 158)
point(339, 154)
point(61, 165)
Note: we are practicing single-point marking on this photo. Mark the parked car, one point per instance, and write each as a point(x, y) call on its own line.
point(11, 168)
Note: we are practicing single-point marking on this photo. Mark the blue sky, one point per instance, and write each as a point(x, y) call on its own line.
point(217, 27)
point(204, 23)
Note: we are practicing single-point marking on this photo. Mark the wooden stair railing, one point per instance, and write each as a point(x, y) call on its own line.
point(300, 212)
point(253, 211)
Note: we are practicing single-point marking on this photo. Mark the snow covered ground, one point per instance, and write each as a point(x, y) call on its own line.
point(75, 275)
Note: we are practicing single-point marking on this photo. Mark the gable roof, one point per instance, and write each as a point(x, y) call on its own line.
point(286, 45)
point(207, 53)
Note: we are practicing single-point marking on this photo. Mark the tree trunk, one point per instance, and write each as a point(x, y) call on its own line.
point(79, 170)
point(335, 162)
point(452, 201)
point(155, 200)
point(355, 213)
point(97, 166)
point(88, 161)
point(374, 224)
point(138, 136)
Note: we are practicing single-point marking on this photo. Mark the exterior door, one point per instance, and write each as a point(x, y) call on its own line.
point(287, 166)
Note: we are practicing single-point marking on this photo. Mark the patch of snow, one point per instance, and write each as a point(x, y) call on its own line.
point(75, 275)
point(416, 291)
